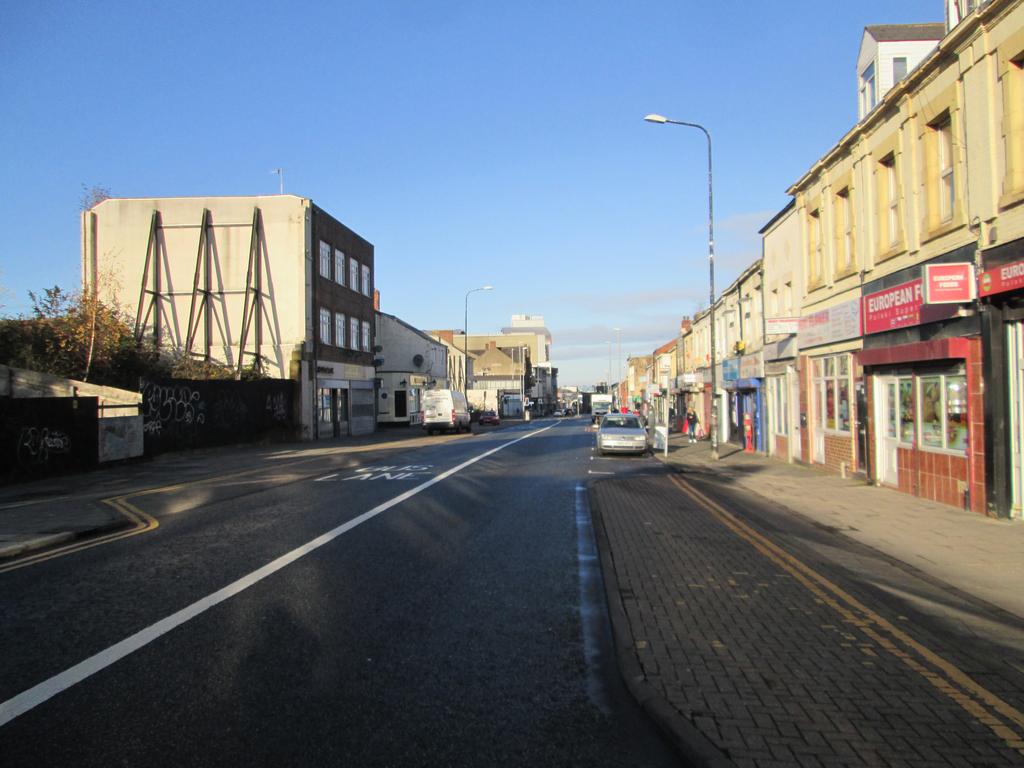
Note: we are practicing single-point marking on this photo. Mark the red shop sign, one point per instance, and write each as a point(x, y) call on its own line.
point(1000, 279)
point(949, 283)
point(896, 307)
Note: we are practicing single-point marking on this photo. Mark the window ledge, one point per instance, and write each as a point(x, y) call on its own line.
point(897, 250)
point(848, 272)
point(1010, 199)
point(943, 451)
point(934, 233)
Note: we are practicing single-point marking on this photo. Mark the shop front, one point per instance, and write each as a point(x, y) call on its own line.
point(922, 361)
point(782, 393)
point(831, 377)
point(344, 400)
point(1001, 288)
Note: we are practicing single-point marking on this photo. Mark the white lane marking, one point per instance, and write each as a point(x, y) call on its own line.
point(33, 697)
point(592, 472)
point(326, 477)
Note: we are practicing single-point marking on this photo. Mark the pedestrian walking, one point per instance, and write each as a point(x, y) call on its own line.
point(692, 422)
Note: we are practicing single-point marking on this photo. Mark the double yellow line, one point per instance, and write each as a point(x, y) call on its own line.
point(138, 521)
point(1004, 720)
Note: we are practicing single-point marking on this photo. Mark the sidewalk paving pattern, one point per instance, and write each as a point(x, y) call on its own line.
point(773, 661)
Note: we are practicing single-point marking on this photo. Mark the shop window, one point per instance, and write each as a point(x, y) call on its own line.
point(906, 411)
point(324, 399)
point(833, 387)
point(943, 422)
point(779, 405)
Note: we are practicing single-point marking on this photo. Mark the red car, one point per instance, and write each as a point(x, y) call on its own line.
point(489, 417)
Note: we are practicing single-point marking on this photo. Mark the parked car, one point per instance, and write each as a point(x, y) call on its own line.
point(490, 417)
point(559, 413)
point(445, 410)
point(622, 433)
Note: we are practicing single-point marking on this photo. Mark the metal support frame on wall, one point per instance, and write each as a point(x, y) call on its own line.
point(152, 261)
point(203, 265)
point(253, 289)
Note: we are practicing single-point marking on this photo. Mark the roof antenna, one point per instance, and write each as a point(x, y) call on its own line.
point(280, 178)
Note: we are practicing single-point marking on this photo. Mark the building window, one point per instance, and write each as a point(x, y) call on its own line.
point(339, 329)
point(890, 199)
point(945, 192)
point(325, 326)
point(899, 68)
point(832, 388)
point(366, 280)
point(1013, 128)
point(353, 333)
point(844, 231)
point(943, 422)
point(868, 92)
point(815, 243)
point(325, 260)
point(366, 337)
point(353, 274)
point(339, 266)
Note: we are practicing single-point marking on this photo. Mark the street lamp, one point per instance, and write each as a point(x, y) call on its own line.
point(711, 269)
point(618, 338)
point(465, 339)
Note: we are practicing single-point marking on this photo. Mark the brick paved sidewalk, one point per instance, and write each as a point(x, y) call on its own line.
point(979, 555)
point(749, 657)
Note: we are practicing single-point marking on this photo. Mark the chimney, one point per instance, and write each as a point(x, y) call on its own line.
point(492, 345)
point(376, 299)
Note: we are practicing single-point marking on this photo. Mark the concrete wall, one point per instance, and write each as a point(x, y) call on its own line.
point(20, 383)
point(119, 438)
point(115, 237)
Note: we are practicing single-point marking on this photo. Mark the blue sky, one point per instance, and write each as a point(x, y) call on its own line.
point(470, 142)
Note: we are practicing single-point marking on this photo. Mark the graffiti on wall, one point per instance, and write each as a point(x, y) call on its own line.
point(180, 413)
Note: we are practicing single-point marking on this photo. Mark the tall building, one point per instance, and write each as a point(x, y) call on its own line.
point(271, 282)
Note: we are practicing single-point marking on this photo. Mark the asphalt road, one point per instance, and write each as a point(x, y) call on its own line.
point(439, 605)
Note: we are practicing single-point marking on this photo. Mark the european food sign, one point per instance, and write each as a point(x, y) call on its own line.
point(999, 279)
point(948, 283)
point(896, 307)
point(902, 306)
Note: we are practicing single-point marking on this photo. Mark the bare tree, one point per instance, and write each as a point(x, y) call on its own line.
point(94, 195)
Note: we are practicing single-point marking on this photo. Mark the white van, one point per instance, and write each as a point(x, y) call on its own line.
point(445, 409)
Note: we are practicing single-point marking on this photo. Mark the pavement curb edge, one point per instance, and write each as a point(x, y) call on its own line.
point(691, 744)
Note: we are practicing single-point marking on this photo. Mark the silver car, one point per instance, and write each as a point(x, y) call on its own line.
point(622, 433)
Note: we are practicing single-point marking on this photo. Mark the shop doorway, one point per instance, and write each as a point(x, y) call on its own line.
point(1015, 367)
point(818, 427)
point(887, 419)
point(401, 404)
point(861, 426)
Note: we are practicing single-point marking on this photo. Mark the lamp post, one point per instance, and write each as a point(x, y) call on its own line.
point(618, 339)
point(465, 339)
point(711, 269)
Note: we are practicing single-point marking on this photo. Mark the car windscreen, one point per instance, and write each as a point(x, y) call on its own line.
point(621, 422)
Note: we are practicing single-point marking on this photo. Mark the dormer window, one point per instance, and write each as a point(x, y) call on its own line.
point(868, 91)
point(899, 68)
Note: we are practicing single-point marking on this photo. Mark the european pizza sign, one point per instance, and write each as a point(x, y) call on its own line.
point(999, 279)
point(896, 307)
